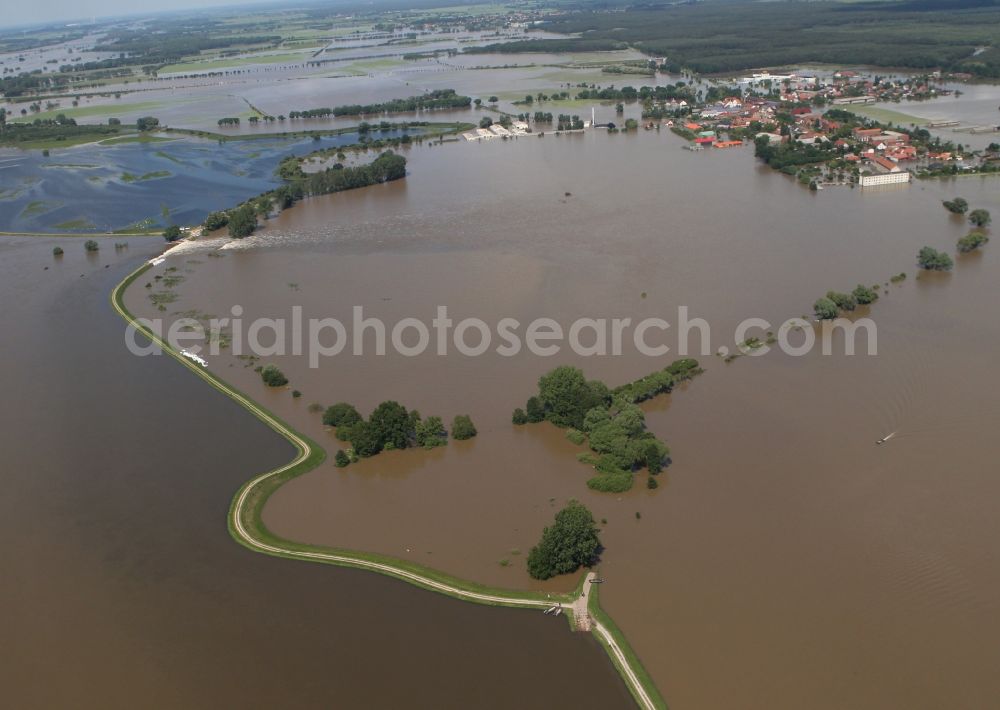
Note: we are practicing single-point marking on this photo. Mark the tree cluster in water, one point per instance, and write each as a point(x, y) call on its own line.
point(390, 426)
point(607, 420)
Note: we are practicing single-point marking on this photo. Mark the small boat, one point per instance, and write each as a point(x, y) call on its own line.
point(194, 358)
point(885, 439)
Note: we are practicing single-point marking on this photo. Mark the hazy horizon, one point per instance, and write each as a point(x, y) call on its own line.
point(60, 11)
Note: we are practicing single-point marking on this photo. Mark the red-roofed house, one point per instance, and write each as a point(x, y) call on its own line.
point(885, 164)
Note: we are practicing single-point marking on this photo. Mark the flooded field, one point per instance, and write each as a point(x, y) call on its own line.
point(368, 74)
point(784, 555)
point(129, 185)
point(121, 579)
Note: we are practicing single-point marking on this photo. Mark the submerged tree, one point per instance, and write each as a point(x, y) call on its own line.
point(429, 432)
point(462, 427)
point(864, 295)
point(391, 425)
point(934, 260)
point(568, 544)
point(956, 206)
point(273, 377)
point(567, 396)
point(843, 301)
point(979, 218)
point(825, 309)
point(341, 414)
point(971, 242)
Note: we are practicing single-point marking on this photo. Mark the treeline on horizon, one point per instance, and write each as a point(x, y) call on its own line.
point(732, 36)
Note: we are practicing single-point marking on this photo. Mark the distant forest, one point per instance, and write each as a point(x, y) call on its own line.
point(724, 36)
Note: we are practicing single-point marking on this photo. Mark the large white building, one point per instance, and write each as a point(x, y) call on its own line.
point(889, 173)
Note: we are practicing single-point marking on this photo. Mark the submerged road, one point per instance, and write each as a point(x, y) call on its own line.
point(243, 508)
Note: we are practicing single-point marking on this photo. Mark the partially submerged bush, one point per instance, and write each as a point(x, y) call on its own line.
point(971, 242)
point(934, 260)
point(462, 427)
point(272, 376)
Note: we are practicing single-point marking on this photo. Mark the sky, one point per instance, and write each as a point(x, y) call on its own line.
point(21, 13)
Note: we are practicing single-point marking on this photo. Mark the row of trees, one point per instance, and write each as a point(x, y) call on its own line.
point(569, 123)
point(978, 218)
point(928, 258)
point(678, 91)
point(60, 128)
point(242, 220)
point(833, 303)
point(438, 99)
point(391, 426)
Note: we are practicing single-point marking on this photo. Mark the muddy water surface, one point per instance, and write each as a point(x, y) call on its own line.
point(785, 560)
point(121, 586)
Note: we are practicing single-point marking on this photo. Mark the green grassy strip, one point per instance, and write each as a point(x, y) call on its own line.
point(594, 607)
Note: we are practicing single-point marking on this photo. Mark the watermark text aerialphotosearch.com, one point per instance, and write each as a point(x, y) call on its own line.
point(440, 334)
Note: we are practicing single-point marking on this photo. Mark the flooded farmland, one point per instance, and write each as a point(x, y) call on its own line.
point(119, 574)
point(784, 554)
point(138, 185)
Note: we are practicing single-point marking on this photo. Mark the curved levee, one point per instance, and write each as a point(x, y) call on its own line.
point(247, 528)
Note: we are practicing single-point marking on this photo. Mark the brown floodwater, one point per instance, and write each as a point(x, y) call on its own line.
point(121, 586)
point(785, 560)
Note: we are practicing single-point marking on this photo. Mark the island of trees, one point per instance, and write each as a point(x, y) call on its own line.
point(931, 259)
point(390, 426)
point(608, 421)
point(272, 376)
point(833, 303)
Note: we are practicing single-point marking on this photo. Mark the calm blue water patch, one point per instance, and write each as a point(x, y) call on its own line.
point(86, 188)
